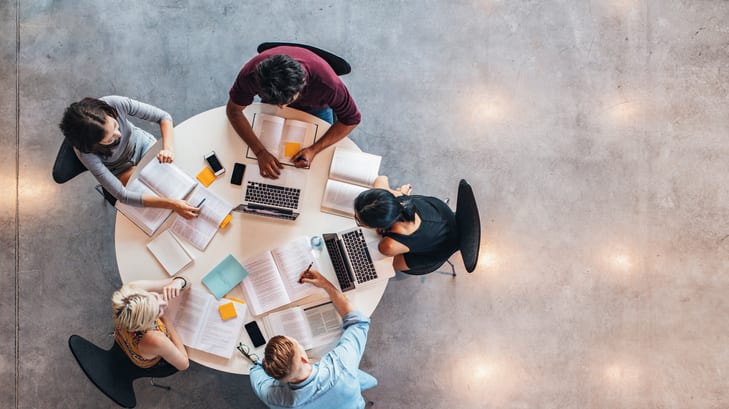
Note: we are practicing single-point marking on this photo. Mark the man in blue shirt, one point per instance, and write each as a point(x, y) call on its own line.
point(287, 379)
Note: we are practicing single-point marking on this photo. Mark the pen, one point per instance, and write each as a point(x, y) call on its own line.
point(301, 280)
point(201, 202)
point(300, 158)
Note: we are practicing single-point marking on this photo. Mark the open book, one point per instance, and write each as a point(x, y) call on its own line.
point(311, 327)
point(156, 179)
point(196, 318)
point(282, 137)
point(350, 173)
point(200, 230)
point(273, 277)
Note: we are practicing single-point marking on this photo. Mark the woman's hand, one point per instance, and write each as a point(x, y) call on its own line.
point(405, 189)
point(166, 156)
point(173, 289)
point(185, 209)
point(314, 278)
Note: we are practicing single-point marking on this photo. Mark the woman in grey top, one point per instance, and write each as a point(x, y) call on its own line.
point(110, 146)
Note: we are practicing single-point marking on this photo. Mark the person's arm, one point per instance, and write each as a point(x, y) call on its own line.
point(334, 134)
point(383, 182)
point(167, 129)
point(181, 207)
point(341, 303)
point(268, 164)
point(168, 287)
point(170, 349)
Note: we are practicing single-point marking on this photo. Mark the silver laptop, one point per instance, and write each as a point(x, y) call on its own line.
point(356, 262)
point(277, 198)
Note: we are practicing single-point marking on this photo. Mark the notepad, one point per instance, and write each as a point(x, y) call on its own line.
point(206, 176)
point(226, 275)
point(169, 252)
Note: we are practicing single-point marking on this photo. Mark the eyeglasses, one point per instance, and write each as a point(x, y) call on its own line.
point(245, 350)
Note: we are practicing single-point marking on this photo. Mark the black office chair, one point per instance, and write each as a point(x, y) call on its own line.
point(67, 166)
point(469, 226)
point(338, 64)
point(112, 371)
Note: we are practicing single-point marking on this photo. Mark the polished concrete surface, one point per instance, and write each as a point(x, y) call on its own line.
point(593, 132)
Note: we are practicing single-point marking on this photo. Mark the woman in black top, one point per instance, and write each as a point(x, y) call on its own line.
point(418, 231)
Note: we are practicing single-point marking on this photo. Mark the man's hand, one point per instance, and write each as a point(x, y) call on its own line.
point(304, 157)
point(314, 278)
point(268, 164)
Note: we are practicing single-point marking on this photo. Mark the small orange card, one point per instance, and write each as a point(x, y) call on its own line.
point(227, 220)
point(206, 176)
point(290, 148)
point(227, 311)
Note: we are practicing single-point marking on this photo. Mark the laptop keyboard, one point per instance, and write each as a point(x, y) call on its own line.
point(359, 256)
point(337, 258)
point(274, 215)
point(272, 195)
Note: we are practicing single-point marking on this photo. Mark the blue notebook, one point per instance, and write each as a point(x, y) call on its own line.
point(226, 275)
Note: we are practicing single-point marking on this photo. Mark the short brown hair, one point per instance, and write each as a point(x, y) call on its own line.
point(279, 357)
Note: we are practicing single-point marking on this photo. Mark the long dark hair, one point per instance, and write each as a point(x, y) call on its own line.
point(83, 125)
point(381, 209)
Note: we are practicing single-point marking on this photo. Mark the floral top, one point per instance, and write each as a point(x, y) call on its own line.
point(129, 343)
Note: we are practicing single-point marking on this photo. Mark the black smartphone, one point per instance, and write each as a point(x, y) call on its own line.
point(255, 334)
point(237, 177)
point(214, 163)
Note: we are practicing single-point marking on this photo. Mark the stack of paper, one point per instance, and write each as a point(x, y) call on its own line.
point(169, 252)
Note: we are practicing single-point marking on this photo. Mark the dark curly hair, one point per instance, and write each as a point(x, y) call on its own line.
point(280, 78)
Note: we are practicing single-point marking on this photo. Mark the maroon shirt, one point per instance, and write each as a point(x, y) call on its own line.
point(323, 87)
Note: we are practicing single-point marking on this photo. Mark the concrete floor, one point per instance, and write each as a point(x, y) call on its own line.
point(593, 132)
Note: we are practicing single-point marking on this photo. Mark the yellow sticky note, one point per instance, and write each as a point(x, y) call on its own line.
point(290, 148)
point(227, 220)
point(227, 311)
point(206, 176)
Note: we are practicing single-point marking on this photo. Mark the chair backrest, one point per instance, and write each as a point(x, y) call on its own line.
point(338, 64)
point(111, 370)
point(469, 225)
point(67, 165)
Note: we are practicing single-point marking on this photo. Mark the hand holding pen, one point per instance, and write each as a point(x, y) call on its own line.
point(306, 274)
point(303, 158)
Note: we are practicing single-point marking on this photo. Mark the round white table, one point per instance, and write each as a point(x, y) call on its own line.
point(246, 235)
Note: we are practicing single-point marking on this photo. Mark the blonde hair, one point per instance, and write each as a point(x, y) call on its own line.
point(134, 309)
point(279, 358)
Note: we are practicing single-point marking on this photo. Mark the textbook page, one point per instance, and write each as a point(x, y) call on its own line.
point(350, 166)
point(292, 259)
point(169, 252)
point(325, 324)
point(263, 289)
point(339, 197)
point(282, 137)
point(199, 231)
point(197, 320)
point(291, 322)
point(149, 219)
point(167, 179)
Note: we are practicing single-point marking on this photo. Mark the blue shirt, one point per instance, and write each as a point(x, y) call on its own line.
point(333, 381)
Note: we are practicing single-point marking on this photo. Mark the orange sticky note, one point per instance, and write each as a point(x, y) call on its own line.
point(206, 176)
point(290, 148)
point(227, 311)
point(227, 220)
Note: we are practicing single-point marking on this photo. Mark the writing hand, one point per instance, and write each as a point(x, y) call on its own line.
point(303, 158)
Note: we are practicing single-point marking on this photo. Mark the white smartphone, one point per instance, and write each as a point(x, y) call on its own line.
point(214, 163)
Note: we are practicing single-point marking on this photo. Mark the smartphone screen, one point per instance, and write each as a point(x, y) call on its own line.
point(214, 163)
point(237, 177)
point(255, 334)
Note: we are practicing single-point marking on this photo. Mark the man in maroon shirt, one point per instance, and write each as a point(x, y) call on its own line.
point(295, 77)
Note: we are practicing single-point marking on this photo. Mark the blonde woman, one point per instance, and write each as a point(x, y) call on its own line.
point(140, 327)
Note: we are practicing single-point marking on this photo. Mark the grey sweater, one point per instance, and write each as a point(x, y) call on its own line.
point(128, 152)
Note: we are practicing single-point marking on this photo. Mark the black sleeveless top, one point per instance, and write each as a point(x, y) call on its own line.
point(436, 238)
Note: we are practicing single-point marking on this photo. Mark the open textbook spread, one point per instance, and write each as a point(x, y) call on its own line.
point(350, 173)
point(312, 327)
point(156, 179)
point(199, 231)
point(196, 318)
point(282, 137)
point(273, 277)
